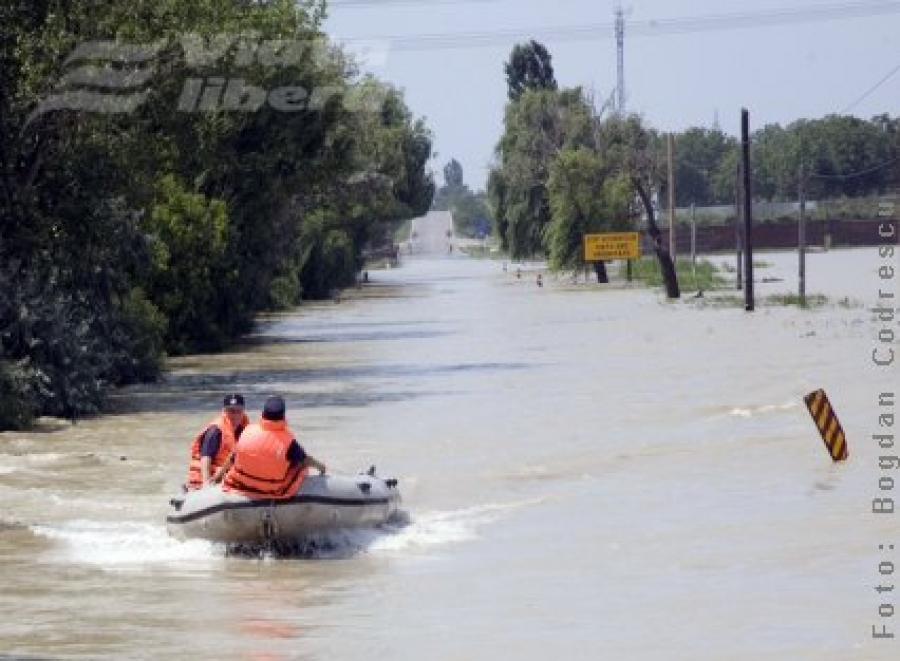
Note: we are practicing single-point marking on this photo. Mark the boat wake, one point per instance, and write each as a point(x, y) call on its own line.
point(330, 545)
point(765, 409)
point(402, 532)
point(123, 545)
point(128, 546)
point(440, 528)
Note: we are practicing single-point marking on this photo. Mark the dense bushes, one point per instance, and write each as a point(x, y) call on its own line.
point(126, 235)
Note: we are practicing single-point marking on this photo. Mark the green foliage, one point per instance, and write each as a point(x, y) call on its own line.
point(187, 232)
point(810, 301)
point(454, 187)
point(722, 300)
point(453, 174)
point(637, 151)
point(285, 291)
point(536, 127)
point(328, 259)
point(529, 68)
point(384, 183)
point(705, 167)
point(164, 230)
point(471, 214)
point(704, 276)
point(586, 196)
point(830, 149)
point(57, 340)
point(18, 401)
point(139, 335)
point(497, 198)
point(841, 155)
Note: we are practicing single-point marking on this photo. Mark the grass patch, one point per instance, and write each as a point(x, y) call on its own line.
point(812, 300)
point(402, 233)
point(483, 252)
point(378, 264)
point(704, 277)
point(721, 300)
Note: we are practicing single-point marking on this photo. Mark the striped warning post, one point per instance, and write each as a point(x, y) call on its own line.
point(829, 427)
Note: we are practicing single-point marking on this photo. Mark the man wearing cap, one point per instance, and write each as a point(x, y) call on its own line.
point(269, 462)
point(213, 448)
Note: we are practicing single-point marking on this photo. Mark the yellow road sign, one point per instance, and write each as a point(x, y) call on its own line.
point(829, 426)
point(611, 245)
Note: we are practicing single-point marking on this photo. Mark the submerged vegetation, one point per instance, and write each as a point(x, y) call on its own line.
point(728, 300)
point(702, 276)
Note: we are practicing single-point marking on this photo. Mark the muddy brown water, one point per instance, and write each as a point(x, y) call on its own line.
point(587, 474)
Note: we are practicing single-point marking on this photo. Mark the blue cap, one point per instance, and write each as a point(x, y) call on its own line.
point(274, 408)
point(234, 400)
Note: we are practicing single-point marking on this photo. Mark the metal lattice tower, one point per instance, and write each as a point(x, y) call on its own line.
point(620, 60)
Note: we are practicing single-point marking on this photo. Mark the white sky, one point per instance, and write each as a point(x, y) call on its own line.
point(798, 68)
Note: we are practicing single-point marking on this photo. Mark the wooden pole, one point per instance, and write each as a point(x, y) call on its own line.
point(748, 212)
point(738, 206)
point(694, 243)
point(801, 238)
point(670, 149)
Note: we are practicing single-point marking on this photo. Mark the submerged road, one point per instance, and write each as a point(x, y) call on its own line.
point(588, 473)
point(432, 234)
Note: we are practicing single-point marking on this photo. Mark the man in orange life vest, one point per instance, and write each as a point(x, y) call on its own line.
point(269, 462)
point(213, 448)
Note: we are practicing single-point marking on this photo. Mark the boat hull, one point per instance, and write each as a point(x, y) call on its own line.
point(323, 503)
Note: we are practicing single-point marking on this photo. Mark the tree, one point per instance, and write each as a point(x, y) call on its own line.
point(124, 236)
point(471, 215)
point(586, 196)
point(453, 174)
point(698, 158)
point(529, 68)
point(536, 127)
point(636, 151)
point(845, 156)
point(497, 192)
point(189, 233)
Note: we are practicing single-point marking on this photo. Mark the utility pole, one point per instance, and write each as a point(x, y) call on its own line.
point(670, 145)
point(694, 244)
point(748, 212)
point(620, 61)
point(801, 235)
point(738, 206)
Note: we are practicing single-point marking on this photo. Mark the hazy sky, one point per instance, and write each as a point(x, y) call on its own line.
point(778, 58)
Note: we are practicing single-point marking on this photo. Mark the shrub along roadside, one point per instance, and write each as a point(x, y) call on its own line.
point(128, 237)
point(705, 276)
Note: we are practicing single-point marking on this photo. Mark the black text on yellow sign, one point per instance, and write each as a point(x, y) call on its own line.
point(829, 426)
point(611, 245)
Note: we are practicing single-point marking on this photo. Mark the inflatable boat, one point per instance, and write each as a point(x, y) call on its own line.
point(322, 503)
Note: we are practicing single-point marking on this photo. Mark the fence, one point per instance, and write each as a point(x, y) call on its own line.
point(783, 233)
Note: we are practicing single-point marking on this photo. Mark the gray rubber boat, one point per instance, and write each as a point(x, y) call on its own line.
point(323, 503)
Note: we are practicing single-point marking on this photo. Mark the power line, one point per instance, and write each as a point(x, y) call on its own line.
point(770, 18)
point(380, 3)
point(647, 28)
point(871, 89)
point(851, 175)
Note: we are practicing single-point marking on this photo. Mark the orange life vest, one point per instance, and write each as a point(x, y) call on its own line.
point(226, 447)
point(261, 468)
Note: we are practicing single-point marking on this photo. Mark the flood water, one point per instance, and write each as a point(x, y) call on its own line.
point(587, 472)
